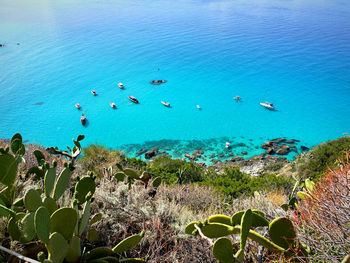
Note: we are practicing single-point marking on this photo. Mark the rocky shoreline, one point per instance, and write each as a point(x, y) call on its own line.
point(223, 152)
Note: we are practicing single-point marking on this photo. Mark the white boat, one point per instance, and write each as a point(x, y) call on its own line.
point(94, 92)
point(227, 145)
point(77, 105)
point(112, 104)
point(121, 85)
point(166, 104)
point(198, 107)
point(267, 105)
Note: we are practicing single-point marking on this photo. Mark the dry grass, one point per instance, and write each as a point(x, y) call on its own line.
point(277, 197)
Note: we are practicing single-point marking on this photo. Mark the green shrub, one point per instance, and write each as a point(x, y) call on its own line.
point(175, 170)
point(314, 163)
point(234, 183)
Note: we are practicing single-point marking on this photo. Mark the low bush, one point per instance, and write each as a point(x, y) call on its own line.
point(175, 170)
point(233, 183)
point(314, 163)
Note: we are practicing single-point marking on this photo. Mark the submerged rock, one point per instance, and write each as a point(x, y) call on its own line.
point(283, 150)
point(304, 148)
point(150, 154)
point(140, 152)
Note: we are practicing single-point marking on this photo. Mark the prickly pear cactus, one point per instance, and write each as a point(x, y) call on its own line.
point(63, 221)
point(85, 186)
point(223, 250)
point(61, 184)
point(128, 243)
point(42, 224)
point(282, 232)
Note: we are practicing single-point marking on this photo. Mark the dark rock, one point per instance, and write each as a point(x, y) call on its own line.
point(284, 149)
point(142, 151)
point(289, 141)
point(244, 152)
point(150, 154)
point(236, 159)
point(267, 145)
point(270, 150)
point(304, 148)
point(279, 140)
point(187, 155)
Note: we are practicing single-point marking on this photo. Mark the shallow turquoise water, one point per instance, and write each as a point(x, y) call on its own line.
point(295, 54)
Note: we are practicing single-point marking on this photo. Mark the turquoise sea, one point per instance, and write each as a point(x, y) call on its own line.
point(293, 53)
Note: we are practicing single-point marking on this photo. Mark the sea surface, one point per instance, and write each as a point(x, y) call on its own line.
point(292, 53)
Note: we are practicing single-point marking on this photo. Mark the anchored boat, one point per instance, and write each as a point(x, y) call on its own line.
point(157, 82)
point(77, 105)
point(121, 85)
point(94, 92)
point(267, 105)
point(112, 104)
point(166, 104)
point(133, 99)
point(83, 119)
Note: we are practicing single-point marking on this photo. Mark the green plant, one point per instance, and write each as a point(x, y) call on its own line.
point(38, 214)
point(314, 163)
point(281, 231)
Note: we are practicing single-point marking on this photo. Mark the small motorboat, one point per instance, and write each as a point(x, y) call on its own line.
point(199, 107)
point(77, 105)
point(133, 99)
point(166, 104)
point(267, 105)
point(112, 104)
point(157, 82)
point(83, 119)
point(121, 85)
point(237, 98)
point(227, 145)
point(94, 92)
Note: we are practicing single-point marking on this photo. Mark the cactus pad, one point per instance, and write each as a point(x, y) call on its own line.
point(63, 221)
point(50, 204)
point(223, 219)
point(96, 253)
point(128, 243)
point(216, 230)
point(61, 184)
point(85, 218)
point(92, 235)
point(132, 260)
point(32, 200)
point(282, 232)
point(120, 176)
point(131, 173)
point(74, 250)
point(223, 250)
point(258, 218)
point(156, 181)
point(42, 224)
point(84, 186)
point(49, 180)
point(27, 228)
point(57, 248)
point(96, 218)
point(8, 169)
point(190, 227)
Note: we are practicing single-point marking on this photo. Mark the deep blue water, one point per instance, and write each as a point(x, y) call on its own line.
point(295, 54)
